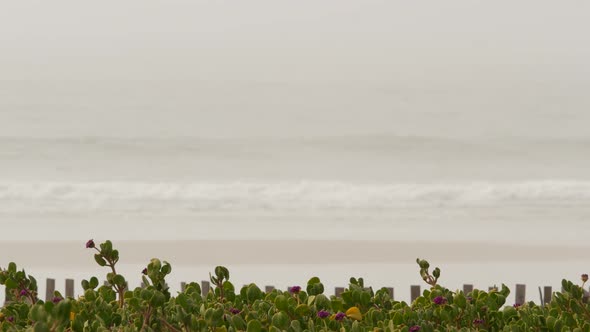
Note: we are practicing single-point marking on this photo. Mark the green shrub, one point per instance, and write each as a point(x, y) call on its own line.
point(114, 307)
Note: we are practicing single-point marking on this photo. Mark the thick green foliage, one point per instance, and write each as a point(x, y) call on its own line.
point(359, 308)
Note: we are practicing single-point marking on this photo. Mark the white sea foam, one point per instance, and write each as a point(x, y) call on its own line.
point(280, 196)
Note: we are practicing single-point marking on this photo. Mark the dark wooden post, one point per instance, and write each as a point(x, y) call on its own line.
point(390, 291)
point(520, 294)
point(414, 292)
point(205, 288)
point(467, 288)
point(338, 291)
point(70, 288)
point(7, 296)
point(49, 289)
point(547, 294)
point(268, 289)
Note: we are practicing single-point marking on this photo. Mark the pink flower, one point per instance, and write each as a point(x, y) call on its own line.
point(439, 300)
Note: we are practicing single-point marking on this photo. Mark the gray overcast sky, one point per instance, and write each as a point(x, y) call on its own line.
point(285, 40)
point(374, 62)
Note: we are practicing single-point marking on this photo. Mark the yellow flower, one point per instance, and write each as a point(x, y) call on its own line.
point(354, 313)
point(72, 315)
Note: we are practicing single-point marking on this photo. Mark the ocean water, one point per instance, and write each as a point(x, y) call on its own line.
point(347, 187)
point(136, 153)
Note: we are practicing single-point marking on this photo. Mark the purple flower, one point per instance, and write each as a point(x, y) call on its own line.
point(23, 292)
point(469, 299)
point(90, 244)
point(584, 277)
point(323, 314)
point(478, 321)
point(340, 316)
point(414, 328)
point(439, 300)
point(295, 289)
point(516, 305)
point(56, 299)
point(234, 311)
point(10, 319)
point(144, 271)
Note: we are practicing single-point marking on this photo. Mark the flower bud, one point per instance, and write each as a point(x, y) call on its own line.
point(323, 314)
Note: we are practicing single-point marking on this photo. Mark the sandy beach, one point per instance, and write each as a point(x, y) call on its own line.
point(290, 262)
point(206, 252)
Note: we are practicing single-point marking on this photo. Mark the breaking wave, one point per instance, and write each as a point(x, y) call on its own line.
point(281, 196)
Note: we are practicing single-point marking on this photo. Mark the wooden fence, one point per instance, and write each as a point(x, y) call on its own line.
point(545, 293)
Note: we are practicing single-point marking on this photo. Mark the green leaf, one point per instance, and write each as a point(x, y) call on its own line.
point(166, 268)
point(11, 267)
point(280, 320)
point(302, 310)
point(365, 299)
point(38, 313)
point(253, 293)
point(460, 300)
point(98, 258)
point(222, 272)
point(281, 302)
point(158, 299)
point(41, 327)
point(296, 326)
point(239, 322)
point(11, 284)
point(119, 280)
point(90, 295)
point(93, 282)
point(436, 273)
point(322, 302)
point(106, 248)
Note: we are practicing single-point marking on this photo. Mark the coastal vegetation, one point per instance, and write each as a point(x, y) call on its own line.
point(114, 307)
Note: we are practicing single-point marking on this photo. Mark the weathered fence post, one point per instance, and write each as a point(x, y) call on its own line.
point(414, 292)
point(49, 289)
point(390, 291)
point(268, 289)
point(338, 291)
point(547, 294)
point(70, 288)
point(182, 286)
point(520, 294)
point(467, 288)
point(7, 296)
point(204, 288)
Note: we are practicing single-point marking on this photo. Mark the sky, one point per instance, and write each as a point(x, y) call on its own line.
point(295, 68)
